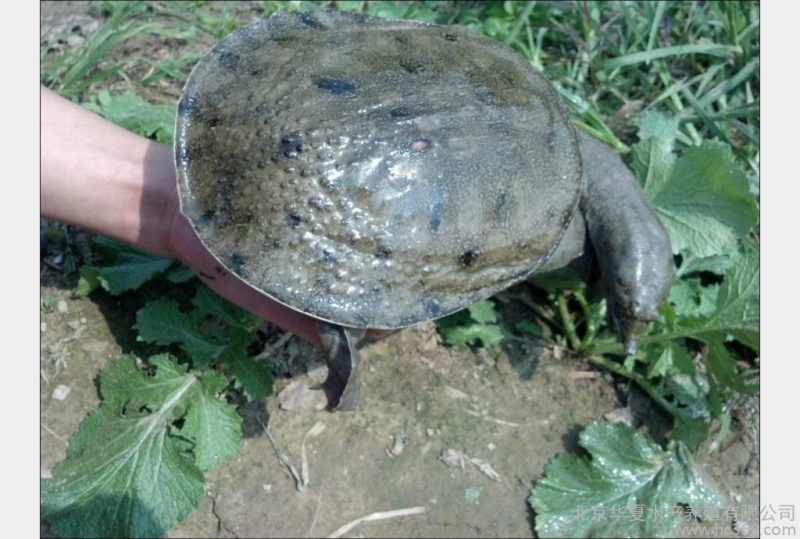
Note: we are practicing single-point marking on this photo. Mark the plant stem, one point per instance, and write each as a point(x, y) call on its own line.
point(591, 326)
point(569, 327)
point(616, 368)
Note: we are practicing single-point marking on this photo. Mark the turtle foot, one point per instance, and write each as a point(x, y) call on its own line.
point(341, 387)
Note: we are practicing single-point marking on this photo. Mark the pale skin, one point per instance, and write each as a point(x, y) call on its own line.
point(107, 180)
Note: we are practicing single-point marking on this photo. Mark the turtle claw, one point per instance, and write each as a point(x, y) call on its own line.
point(341, 387)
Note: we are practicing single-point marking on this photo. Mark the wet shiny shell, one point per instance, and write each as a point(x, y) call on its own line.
point(372, 172)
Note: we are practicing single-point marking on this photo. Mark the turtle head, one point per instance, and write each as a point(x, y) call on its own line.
point(633, 296)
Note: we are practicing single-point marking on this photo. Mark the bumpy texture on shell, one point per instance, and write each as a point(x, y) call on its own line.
point(373, 172)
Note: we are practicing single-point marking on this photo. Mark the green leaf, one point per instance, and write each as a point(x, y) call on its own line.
point(134, 114)
point(162, 322)
point(629, 488)
point(483, 312)
point(487, 334)
point(130, 470)
point(705, 203)
point(691, 298)
point(652, 157)
point(130, 272)
point(123, 381)
point(88, 282)
point(526, 326)
point(209, 302)
point(127, 268)
point(558, 280)
point(692, 431)
point(252, 375)
point(180, 275)
point(48, 304)
point(214, 425)
point(719, 264)
point(672, 357)
point(737, 313)
point(475, 323)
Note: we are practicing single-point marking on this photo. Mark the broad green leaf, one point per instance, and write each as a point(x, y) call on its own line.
point(130, 471)
point(705, 204)
point(123, 381)
point(629, 487)
point(213, 424)
point(652, 157)
point(252, 375)
point(738, 311)
point(130, 271)
point(126, 268)
point(162, 322)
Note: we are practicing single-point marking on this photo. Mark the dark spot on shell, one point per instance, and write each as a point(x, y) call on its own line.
point(484, 96)
point(236, 263)
point(435, 219)
point(257, 72)
point(503, 128)
point(399, 112)
point(309, 20)
point(500, 206)
point(207, 216)
point(436, 216)
point(212, 122)
point(262, 164)
point(334, 86)
point(468, 257)
point(328, 257)
point(228, 59)
point(291, 145)
point(401, 39)
point(383, 252)
point(294, 219)
point(451, 37)
point(411, 66)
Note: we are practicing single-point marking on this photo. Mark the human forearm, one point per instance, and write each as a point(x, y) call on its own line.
point(98, 176)
point(102, 178)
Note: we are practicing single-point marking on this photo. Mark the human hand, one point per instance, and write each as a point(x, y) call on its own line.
point(188, 248)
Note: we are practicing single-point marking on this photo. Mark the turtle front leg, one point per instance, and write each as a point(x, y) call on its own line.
point(339, 346)
point(630, 243)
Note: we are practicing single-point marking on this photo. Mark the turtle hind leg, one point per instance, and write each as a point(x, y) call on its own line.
point(341, 355)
